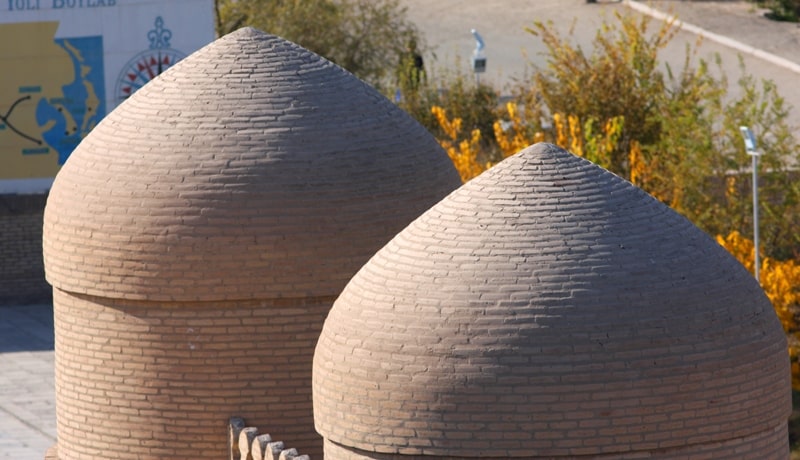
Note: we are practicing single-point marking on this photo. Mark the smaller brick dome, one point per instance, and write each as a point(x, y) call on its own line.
point(549, 308)
point(252, 169)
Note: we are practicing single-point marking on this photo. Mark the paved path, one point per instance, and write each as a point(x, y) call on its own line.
point(27, 408)
point(27, 392)
point(738, 20)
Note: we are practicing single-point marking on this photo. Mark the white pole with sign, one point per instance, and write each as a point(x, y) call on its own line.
point(478, 57)
point(751, 148)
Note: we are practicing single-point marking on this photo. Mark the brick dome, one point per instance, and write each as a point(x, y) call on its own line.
point(198, 236)
point(549, 308)
point(255, 169)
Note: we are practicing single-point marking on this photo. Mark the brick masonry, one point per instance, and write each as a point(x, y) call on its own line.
point(21, 268)
point(197, 237)
point(137, 380)
point(549, 308)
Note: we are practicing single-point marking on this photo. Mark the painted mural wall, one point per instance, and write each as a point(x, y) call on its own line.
point(64, 64)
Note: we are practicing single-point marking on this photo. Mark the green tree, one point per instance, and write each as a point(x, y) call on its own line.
point(366, 37)
point(621, 77)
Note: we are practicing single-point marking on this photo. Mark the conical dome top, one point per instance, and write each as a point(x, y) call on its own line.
point(550, 308)
point(251, 169)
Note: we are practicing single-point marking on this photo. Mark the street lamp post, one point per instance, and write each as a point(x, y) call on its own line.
point(751, 148)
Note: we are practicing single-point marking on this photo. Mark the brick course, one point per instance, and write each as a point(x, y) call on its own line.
point(767, 444)
point(548, 308)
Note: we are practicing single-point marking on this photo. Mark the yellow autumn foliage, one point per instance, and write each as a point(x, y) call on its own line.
point(512, 137)
point(569, 133)
point(637, 164)
point(462, 152)
point(780, 280)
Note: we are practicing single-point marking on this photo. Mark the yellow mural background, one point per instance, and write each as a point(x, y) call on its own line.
point(33, 66)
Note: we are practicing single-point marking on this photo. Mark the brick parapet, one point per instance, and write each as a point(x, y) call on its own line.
point(245, 443)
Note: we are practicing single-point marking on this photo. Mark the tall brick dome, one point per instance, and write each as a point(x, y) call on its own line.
point(549, 309)
point(196, 239)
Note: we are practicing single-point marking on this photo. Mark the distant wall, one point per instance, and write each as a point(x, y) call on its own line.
point(21, 267)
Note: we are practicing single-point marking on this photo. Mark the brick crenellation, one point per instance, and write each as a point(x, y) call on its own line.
point(246, 443)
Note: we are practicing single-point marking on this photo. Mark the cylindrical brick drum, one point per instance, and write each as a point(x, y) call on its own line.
point(196, 239)
point(550, 309)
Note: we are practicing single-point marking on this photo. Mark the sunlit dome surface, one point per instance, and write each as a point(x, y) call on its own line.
point(252, 169)
point(549, 308)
